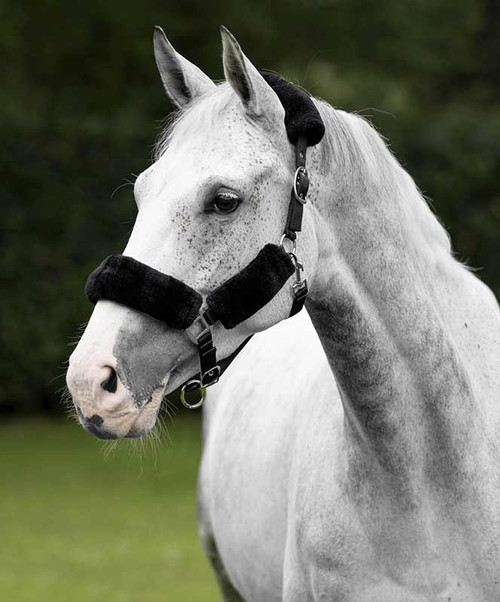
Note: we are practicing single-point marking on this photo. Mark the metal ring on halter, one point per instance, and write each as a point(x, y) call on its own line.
point(189, 387)
point(287, 240)
point(300, 172)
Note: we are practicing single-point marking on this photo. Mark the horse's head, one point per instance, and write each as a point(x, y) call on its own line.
point(217, 193)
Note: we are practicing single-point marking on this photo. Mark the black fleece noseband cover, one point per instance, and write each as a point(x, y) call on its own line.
point(141, 287)
point(138, 286)
point(246, 292)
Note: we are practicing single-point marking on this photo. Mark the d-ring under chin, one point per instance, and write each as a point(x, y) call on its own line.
point(190, 387)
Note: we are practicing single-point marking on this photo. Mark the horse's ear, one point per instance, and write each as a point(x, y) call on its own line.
point(257, 96)
point(182, 80)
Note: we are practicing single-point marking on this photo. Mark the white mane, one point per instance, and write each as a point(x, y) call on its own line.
point(352, 144)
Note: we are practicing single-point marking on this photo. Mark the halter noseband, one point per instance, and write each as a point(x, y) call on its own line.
point(129, 282)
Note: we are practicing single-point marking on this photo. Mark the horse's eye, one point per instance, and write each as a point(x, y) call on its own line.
point(225, 202)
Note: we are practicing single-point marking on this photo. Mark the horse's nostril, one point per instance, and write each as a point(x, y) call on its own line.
point(111, 382)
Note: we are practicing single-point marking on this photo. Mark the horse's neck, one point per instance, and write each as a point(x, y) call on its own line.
point(381, 300)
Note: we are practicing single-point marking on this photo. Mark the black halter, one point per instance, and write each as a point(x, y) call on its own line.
point(127, 281)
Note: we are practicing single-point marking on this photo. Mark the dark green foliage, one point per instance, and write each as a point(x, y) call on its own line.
point(81, 104)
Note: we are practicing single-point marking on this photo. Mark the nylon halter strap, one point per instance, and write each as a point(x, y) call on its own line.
point(129, 282)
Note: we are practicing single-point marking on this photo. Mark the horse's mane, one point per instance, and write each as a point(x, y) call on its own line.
point(350, 143)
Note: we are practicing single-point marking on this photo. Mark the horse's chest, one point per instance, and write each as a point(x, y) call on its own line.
point(362, 533)
point(356, 544)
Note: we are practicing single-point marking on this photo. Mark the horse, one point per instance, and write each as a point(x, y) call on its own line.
point(370, 475)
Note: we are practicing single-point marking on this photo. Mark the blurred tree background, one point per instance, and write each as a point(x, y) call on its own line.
point(81, 105)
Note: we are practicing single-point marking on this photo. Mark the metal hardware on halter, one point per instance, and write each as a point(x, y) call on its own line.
point(298, 269)
point(209, 369)
point(301, 184)
point(284, 241)
point(300, 285)
point(299, 190)
point(211, 376)
point(190, 387)
point(200, 321)
point(294, 224)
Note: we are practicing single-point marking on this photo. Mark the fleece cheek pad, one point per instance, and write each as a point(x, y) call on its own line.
point(246, 292)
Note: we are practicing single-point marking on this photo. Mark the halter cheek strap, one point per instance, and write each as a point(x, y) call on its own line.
point(134, 284)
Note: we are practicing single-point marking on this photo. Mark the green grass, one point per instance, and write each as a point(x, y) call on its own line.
point(78, 524)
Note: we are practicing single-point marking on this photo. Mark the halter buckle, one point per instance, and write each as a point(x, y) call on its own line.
point(301, 184)
point(200, 333)
point(198, 328)
point(211, 376)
